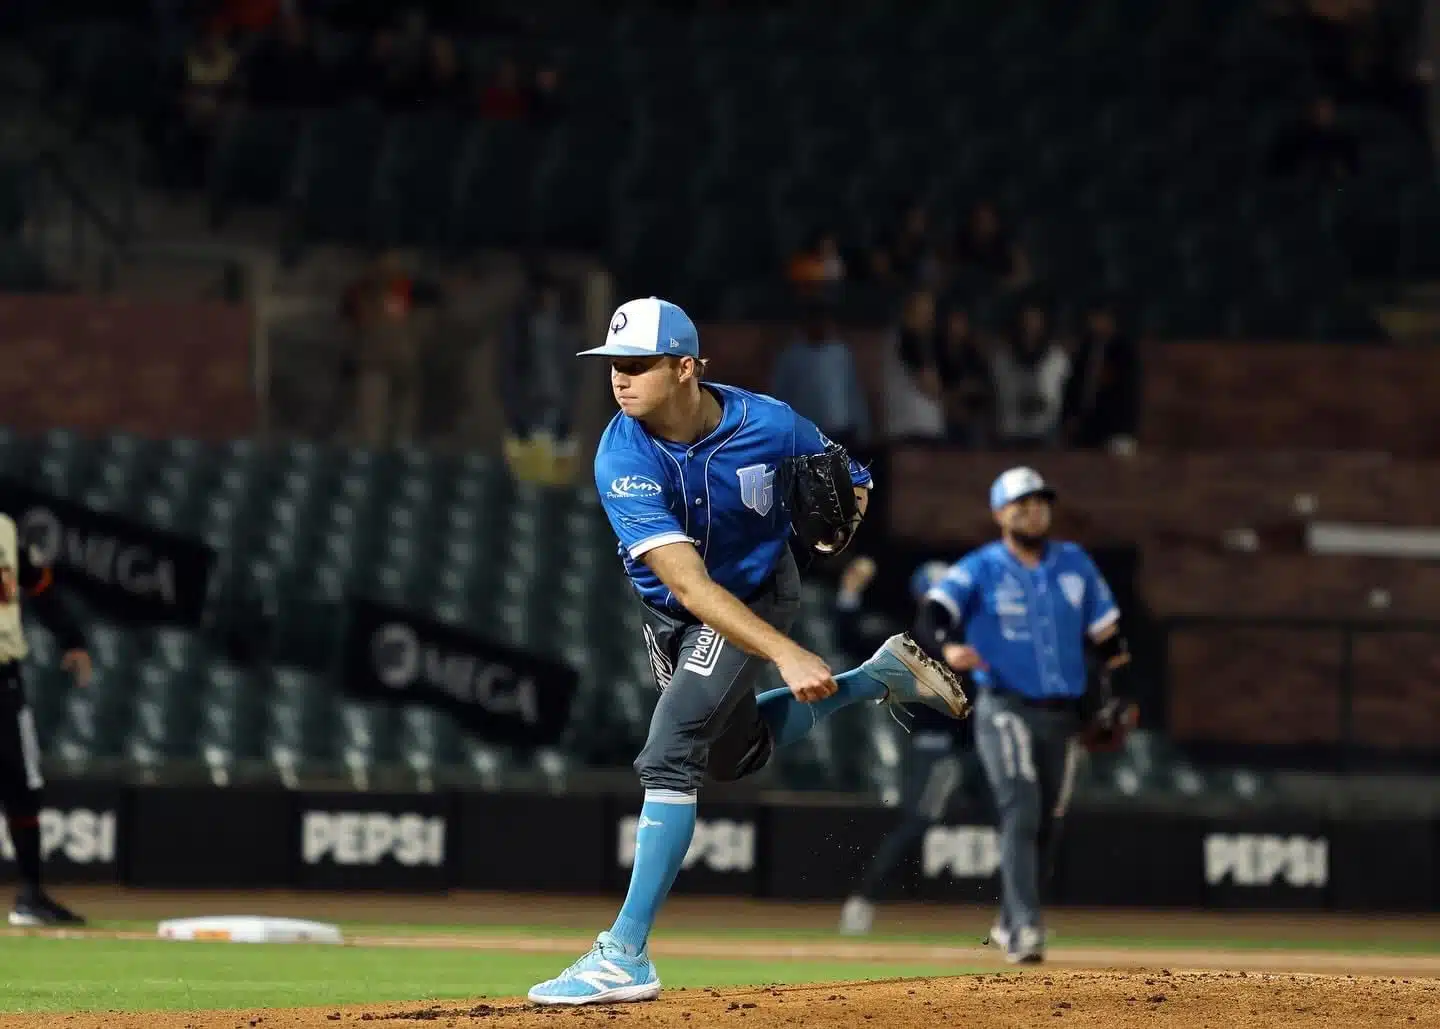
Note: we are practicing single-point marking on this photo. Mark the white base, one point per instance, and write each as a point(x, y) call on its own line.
point(249, 929)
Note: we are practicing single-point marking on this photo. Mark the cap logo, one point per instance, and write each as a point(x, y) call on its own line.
point(621, 320)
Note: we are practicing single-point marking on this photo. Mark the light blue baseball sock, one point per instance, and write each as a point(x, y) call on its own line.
point(662, 836)
point(790, 719)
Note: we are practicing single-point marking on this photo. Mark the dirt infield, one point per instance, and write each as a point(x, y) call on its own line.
point(1193, 1000)
point(1195, 988)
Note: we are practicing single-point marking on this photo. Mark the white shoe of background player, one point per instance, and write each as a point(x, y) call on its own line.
point(856, 917)
point(1027, 947)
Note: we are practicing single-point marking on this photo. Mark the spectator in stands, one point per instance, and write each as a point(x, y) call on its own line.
point(817, 271)
point(913, 410)
point(983, 245)
point(1102, 395)
point(547, 103)
point(211, 77)
point(1366, 52)
point(908, 257)
point(406, 64)
point(1030, 374)
point(284, 70)
point(967, 392)
point(384, 307)
point(1317, 147)
point(210, 83)
point(250, 15)
point(504, 98)
point(816, 376)
point(539, 393)
point(444, 84)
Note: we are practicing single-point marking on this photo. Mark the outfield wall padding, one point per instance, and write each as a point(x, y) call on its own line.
point(196, 837)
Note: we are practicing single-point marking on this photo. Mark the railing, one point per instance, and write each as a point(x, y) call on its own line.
point(70, 229)
point(1345, 694)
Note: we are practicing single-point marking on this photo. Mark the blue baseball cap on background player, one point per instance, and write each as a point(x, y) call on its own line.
point(1017, 484)
point(649, 327)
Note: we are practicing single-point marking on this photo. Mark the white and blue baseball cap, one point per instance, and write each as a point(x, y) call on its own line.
point(1017, 484)
point(649, 327)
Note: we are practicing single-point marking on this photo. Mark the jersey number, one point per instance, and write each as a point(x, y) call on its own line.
point(757, 488)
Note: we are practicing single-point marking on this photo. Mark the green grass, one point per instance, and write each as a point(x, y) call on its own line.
point(100, 975)
point(1178, 941)
point(96, 974)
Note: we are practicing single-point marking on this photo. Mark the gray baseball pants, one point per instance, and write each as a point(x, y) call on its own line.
point(1030, 756)
point(706, 721)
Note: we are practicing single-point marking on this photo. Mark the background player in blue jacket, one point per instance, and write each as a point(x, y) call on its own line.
point(1018, 615)
point(933, 770)
point(687, 476)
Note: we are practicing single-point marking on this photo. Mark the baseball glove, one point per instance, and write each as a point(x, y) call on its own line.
point(1107, 727)
point(820, 497)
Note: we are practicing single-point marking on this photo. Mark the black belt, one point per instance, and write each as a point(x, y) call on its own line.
point(1039, 703)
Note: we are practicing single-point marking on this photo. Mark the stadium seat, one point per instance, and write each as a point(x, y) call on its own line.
point(417, 178)
point(166, 714)
point(254, 160)
point(498, 164)
point(335, 178)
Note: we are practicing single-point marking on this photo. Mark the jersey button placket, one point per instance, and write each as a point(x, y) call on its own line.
point(1053, 678)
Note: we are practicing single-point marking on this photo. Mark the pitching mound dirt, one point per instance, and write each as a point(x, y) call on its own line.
point(1202, 1000)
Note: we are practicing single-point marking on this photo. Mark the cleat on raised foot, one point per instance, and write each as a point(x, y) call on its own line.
point(607, 974)
point(912, 676)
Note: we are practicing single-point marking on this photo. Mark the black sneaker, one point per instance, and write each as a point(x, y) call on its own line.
point(37, 909)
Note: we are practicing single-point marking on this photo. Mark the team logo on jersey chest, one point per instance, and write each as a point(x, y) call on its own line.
point(1073, 586)
point(757, 488)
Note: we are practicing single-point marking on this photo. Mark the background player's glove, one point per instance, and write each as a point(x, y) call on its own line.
point(820, 496)
point(1108, 726)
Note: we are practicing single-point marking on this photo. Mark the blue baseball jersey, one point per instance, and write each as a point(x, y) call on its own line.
point(717, 493)
point(1028, 624)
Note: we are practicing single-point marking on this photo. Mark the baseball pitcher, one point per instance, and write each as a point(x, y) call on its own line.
point(1018, 615)
point(703, 485)
point(21, 783)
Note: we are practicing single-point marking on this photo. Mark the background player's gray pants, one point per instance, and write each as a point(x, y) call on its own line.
point(706, 719)
point(1029, 755)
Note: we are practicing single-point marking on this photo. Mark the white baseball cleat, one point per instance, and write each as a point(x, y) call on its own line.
point(607, 974)
point(1027, 947)
point(857, 917)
